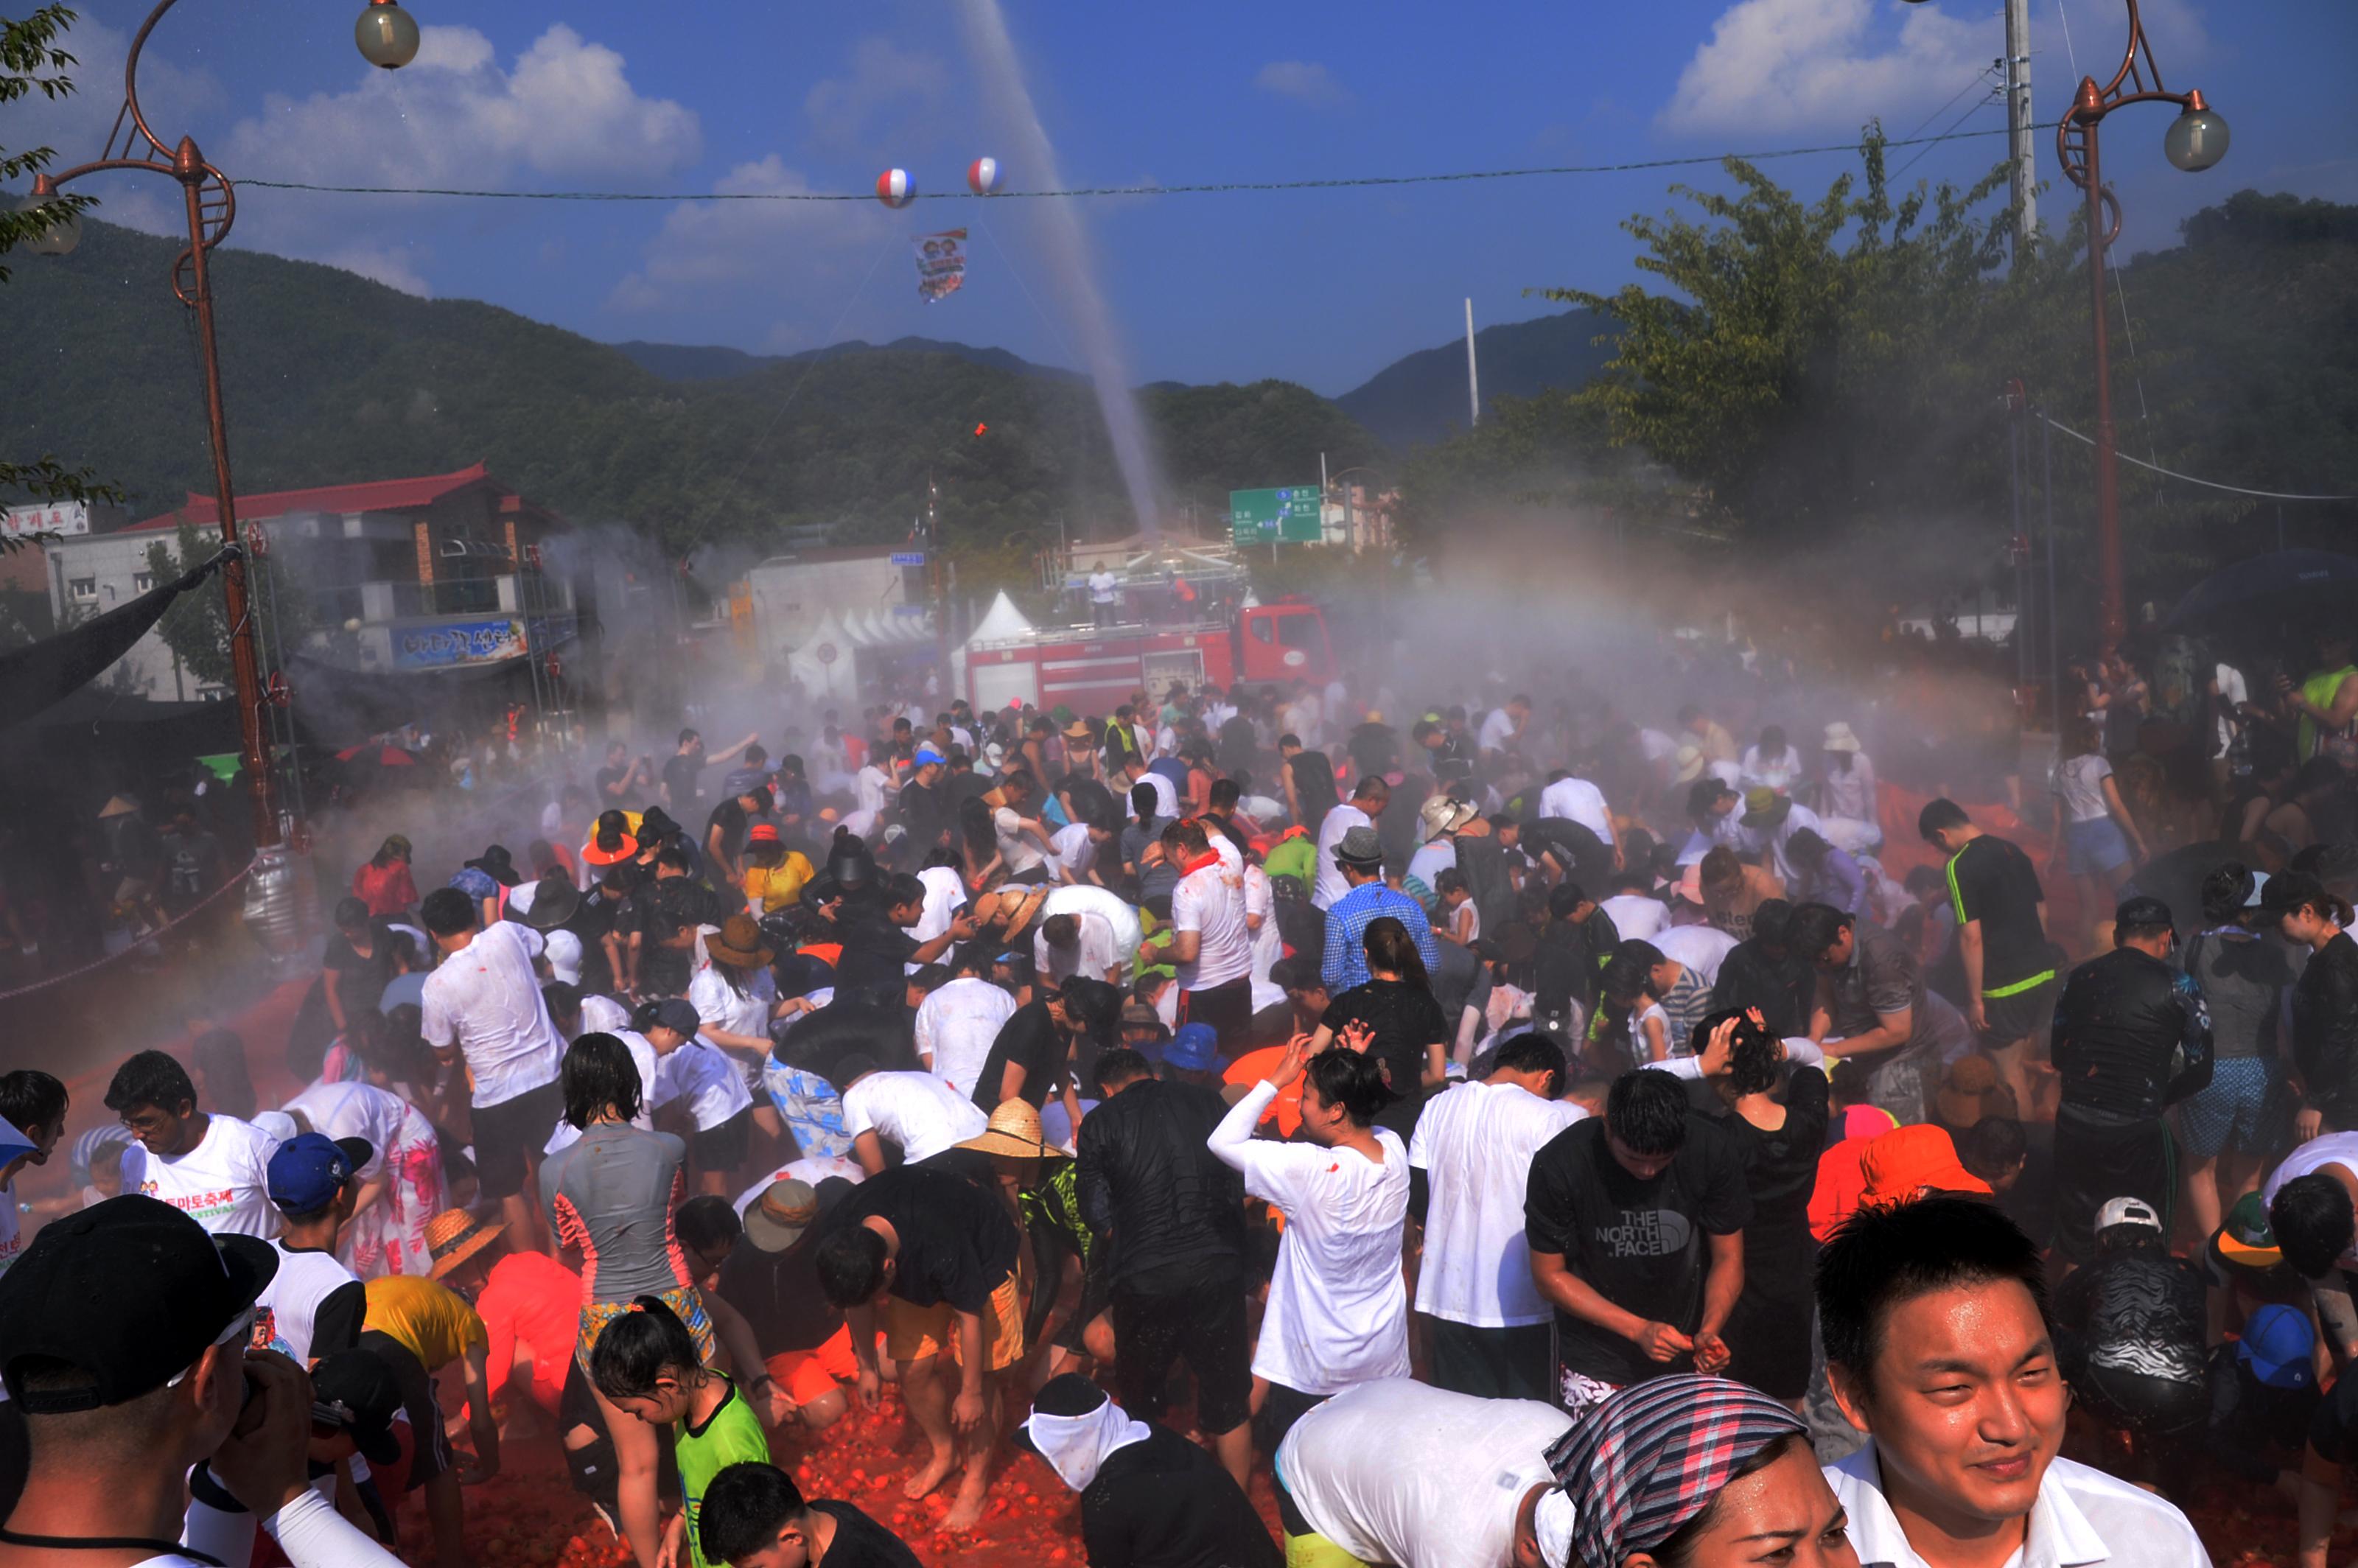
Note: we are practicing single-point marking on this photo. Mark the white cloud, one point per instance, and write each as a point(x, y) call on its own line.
point(1773, 67)
point(75, 127)
point(566, 108)
point(1307, 81)
point(380, 264)
point(888, 87)
point(709, 247)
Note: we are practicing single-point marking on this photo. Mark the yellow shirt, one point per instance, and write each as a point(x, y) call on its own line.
point(433, 1322)
point(780, 885)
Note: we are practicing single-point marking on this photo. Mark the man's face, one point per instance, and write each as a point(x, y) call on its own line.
point(615, 752)
point(1967, 1405)
point(1645, 1167)
point(1838, 951)
point(157, 1127)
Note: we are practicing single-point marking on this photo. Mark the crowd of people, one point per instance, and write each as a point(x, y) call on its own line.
point(1524, 1136)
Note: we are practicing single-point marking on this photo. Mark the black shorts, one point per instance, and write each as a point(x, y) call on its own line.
point(1204, 1322)
point(2097, 1162)
point(432, 1445)
point(2020, 1016)
point(1227, 1008)
point(1513, 1362)
point(2139, 1402)
point(725, 1147)
point(509, 1137)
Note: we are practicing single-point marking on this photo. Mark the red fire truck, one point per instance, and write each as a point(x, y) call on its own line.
point(1093, 669)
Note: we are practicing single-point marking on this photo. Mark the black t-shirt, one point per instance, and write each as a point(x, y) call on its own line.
point(1165, 1503)
point(359, 981)
point(609, 782)
point(730, 817)
point(777, 1294)
point(1031, 1039)
point(1638, 1244)
point(875, 951)
point(1780, 1171)
point(925, 810)
point(2140, 1310)
point(859, 1541)
point(1993, 882)
point(1406, 1020)
point(956, 1243)
point(679, 778)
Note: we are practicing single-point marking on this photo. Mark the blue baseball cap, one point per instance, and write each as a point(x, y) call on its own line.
point(2276, 1345)
point(929, 754)
point(1195, 1048)
point(309, 1169)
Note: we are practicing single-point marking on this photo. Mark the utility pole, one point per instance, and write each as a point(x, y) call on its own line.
point(2021, 157)
point(1473, 377)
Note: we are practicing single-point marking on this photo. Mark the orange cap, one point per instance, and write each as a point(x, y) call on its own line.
point(1908, 1161)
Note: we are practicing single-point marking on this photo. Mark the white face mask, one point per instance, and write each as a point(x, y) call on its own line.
point(1075, 1447)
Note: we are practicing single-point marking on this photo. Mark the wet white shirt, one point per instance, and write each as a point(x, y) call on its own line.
point(223, 1184)
point(956, 1027)
point(1475, 1144)
point(2080, 1516)
point(485, 999)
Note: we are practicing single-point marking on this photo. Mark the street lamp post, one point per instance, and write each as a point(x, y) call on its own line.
point(387, 38)
point(2195, 141)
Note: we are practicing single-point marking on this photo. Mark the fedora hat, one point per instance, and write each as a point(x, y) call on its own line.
point(1014, 1129)
point(1360, 847)
point(455, 1235)
point(781, 1216)
point(738, 944)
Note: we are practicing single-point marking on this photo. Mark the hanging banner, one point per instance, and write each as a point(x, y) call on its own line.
point(941, 264)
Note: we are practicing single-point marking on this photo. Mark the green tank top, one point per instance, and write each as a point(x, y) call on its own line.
point(732, 1434)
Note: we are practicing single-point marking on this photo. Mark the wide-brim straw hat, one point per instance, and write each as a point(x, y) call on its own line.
point(738, 944)
point(456, 1235)
point(1014, 1130)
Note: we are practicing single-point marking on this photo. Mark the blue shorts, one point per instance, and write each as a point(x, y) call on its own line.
point(2096, 846)
point(2247, 1110)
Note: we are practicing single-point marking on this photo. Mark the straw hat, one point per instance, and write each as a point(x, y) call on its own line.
point(1839, 738)
point(738, 944)
point(1078, 729)
point(1441, 816)
point(118, 806)
point(455, 1235)
point(1764, 808)
point(1014, 1130)
point(1689, 762)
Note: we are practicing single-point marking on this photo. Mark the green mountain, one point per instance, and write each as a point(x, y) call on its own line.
point(1423, 396)
point(329, 378)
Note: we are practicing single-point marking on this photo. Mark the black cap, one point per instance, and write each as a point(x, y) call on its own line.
point(359, 1392)
point(2145, 912)
point(131, 1291)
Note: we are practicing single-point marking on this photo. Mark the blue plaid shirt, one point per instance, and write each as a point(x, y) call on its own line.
point(1345, 963)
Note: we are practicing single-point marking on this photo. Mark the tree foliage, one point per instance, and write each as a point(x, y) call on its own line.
point(31, 62)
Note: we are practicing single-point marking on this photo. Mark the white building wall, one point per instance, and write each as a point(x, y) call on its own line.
point(93, 574)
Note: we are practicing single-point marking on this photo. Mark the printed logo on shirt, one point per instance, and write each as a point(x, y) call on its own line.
point(266, 1333)
point(197, 1206)
point(1646, 1233)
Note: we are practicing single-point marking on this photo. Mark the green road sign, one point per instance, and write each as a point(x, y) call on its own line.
point(1287, 517)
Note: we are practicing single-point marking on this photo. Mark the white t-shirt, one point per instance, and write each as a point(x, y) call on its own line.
point(1635, 916)
point(1109, 935)
point(485, 999)
point(873, 788)
point(1268, 947)
point(1210, 901)
point(917, 1110)
point(604, 1015)
point(1076, 850)
point(814, 1169)
point(2080, 1514)
point(2330, 1149)
point(1337, 1313)
point(956, 1026)
point(944, 896)
point(1166, 793)
point(1776, 772)
point(710, 1083)
point(1104, 587)
point(719, 1006)
point(1474, 1144)
point(2080, 782)
point(1699, 948)
point(1655, 746)
point(2232, 693)
point(223, 1184)
point(1577, 800)
point(291, 1302)
point(355, 1110)
point(1399, 1471)
point(1330, 884)
point(1017, 848)
point(1498, 728)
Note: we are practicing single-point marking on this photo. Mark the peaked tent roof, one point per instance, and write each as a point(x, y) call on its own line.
point(1000, 622)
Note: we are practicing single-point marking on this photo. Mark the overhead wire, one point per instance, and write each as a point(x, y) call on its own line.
point(2193, 479)
point(1339, 183)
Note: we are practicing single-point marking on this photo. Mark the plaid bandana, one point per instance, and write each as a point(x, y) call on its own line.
point(1646, 1461)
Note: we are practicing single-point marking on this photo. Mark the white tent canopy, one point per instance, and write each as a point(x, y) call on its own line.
point(1002, 623)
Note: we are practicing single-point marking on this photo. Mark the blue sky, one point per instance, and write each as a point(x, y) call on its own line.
point(1320, 287)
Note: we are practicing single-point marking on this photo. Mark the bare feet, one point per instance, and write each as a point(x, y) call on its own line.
point(943, 1461)
point(967, 1511)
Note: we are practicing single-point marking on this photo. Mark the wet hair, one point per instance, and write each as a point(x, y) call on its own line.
point(2225, 892)
point(1939, 816)
point(1818, 926)
point(1720, 868)
point(1352, 1080)
point(639, 1347)
point(708, 1223)
point(351, 914)
point(1992, 1146)
point(2289, 891)
point(1705, 794)
point(1120, 1065)
point(220, 1055)
point(2313, 1222)
point(851, 1266)
point(30, 1098)
point(1756, 1057)
point(1850, 1082)
point(1772, 923)
point(1144, 802)
point(1450, 880)
point(598, 1075)
point(1061, 930)
point(1887, 1255)
point(1391, 947)
point(1532, 1052)
point(1806, 847)
point(744, 1507)
point(1647, 1111)
point(1095, 1005)
point(150, 1077)
point(447, 912)
point(1563, 899)
point(563, 1001)
point(1625, 978)
point(1225, 793)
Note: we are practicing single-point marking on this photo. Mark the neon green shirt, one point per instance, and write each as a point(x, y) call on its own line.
point(732, 1435)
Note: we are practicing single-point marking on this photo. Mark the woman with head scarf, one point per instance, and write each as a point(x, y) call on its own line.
point(1689, 1472)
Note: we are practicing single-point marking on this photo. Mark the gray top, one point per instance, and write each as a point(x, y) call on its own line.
point(611, 1195)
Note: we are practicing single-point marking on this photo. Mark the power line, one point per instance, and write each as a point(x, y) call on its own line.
point(2190, 479)
point(1347, 182)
